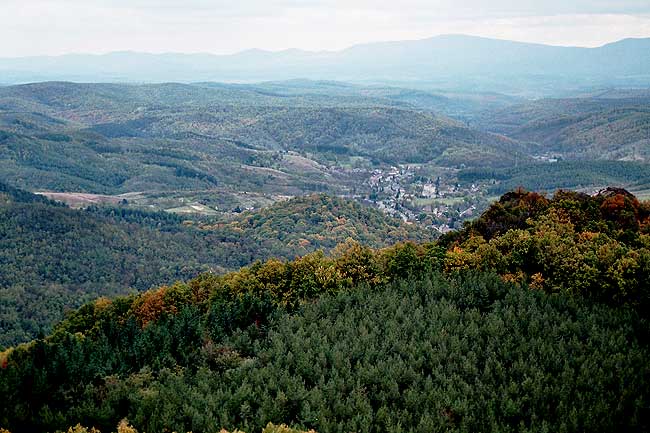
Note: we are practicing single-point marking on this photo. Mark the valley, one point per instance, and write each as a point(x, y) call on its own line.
point(232, 173)
point(213, 150)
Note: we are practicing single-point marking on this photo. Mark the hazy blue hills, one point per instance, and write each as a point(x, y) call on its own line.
point(450, 61)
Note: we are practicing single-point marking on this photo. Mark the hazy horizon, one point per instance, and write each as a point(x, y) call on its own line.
point(58, 27)
point(251, 49)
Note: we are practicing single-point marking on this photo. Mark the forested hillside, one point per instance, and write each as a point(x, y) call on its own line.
point(532, 318)
point(110, 138)
point(610, 125)
point(55, 258)
point(319, 221)
point(209, 148)
point(544, 176)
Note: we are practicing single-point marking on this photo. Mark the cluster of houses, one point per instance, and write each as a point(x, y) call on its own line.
point(441, 203)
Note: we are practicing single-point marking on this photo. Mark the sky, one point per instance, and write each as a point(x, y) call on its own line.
point(54, 27)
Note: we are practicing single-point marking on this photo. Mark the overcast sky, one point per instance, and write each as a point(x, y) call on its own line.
point(37, 27)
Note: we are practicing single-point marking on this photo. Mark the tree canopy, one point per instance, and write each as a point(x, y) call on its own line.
point(532, 318)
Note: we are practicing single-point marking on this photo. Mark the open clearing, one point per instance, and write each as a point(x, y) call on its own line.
point(81, 199)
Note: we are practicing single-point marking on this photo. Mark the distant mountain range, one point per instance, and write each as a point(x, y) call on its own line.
point(445, 62)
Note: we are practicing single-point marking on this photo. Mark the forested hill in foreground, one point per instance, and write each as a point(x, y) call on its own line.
point(55, 258)
point(533, 318)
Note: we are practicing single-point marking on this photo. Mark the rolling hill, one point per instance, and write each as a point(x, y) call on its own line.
point(55, 258)
point(109, 138)
point(609, 125)
point(533, 318)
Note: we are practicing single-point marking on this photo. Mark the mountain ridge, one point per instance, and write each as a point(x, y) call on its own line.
point(300, 50)
point(445, 61)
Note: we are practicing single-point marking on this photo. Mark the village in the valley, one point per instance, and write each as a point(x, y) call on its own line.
point(430, 197)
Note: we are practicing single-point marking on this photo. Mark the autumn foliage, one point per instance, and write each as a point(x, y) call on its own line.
point(532, 316)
